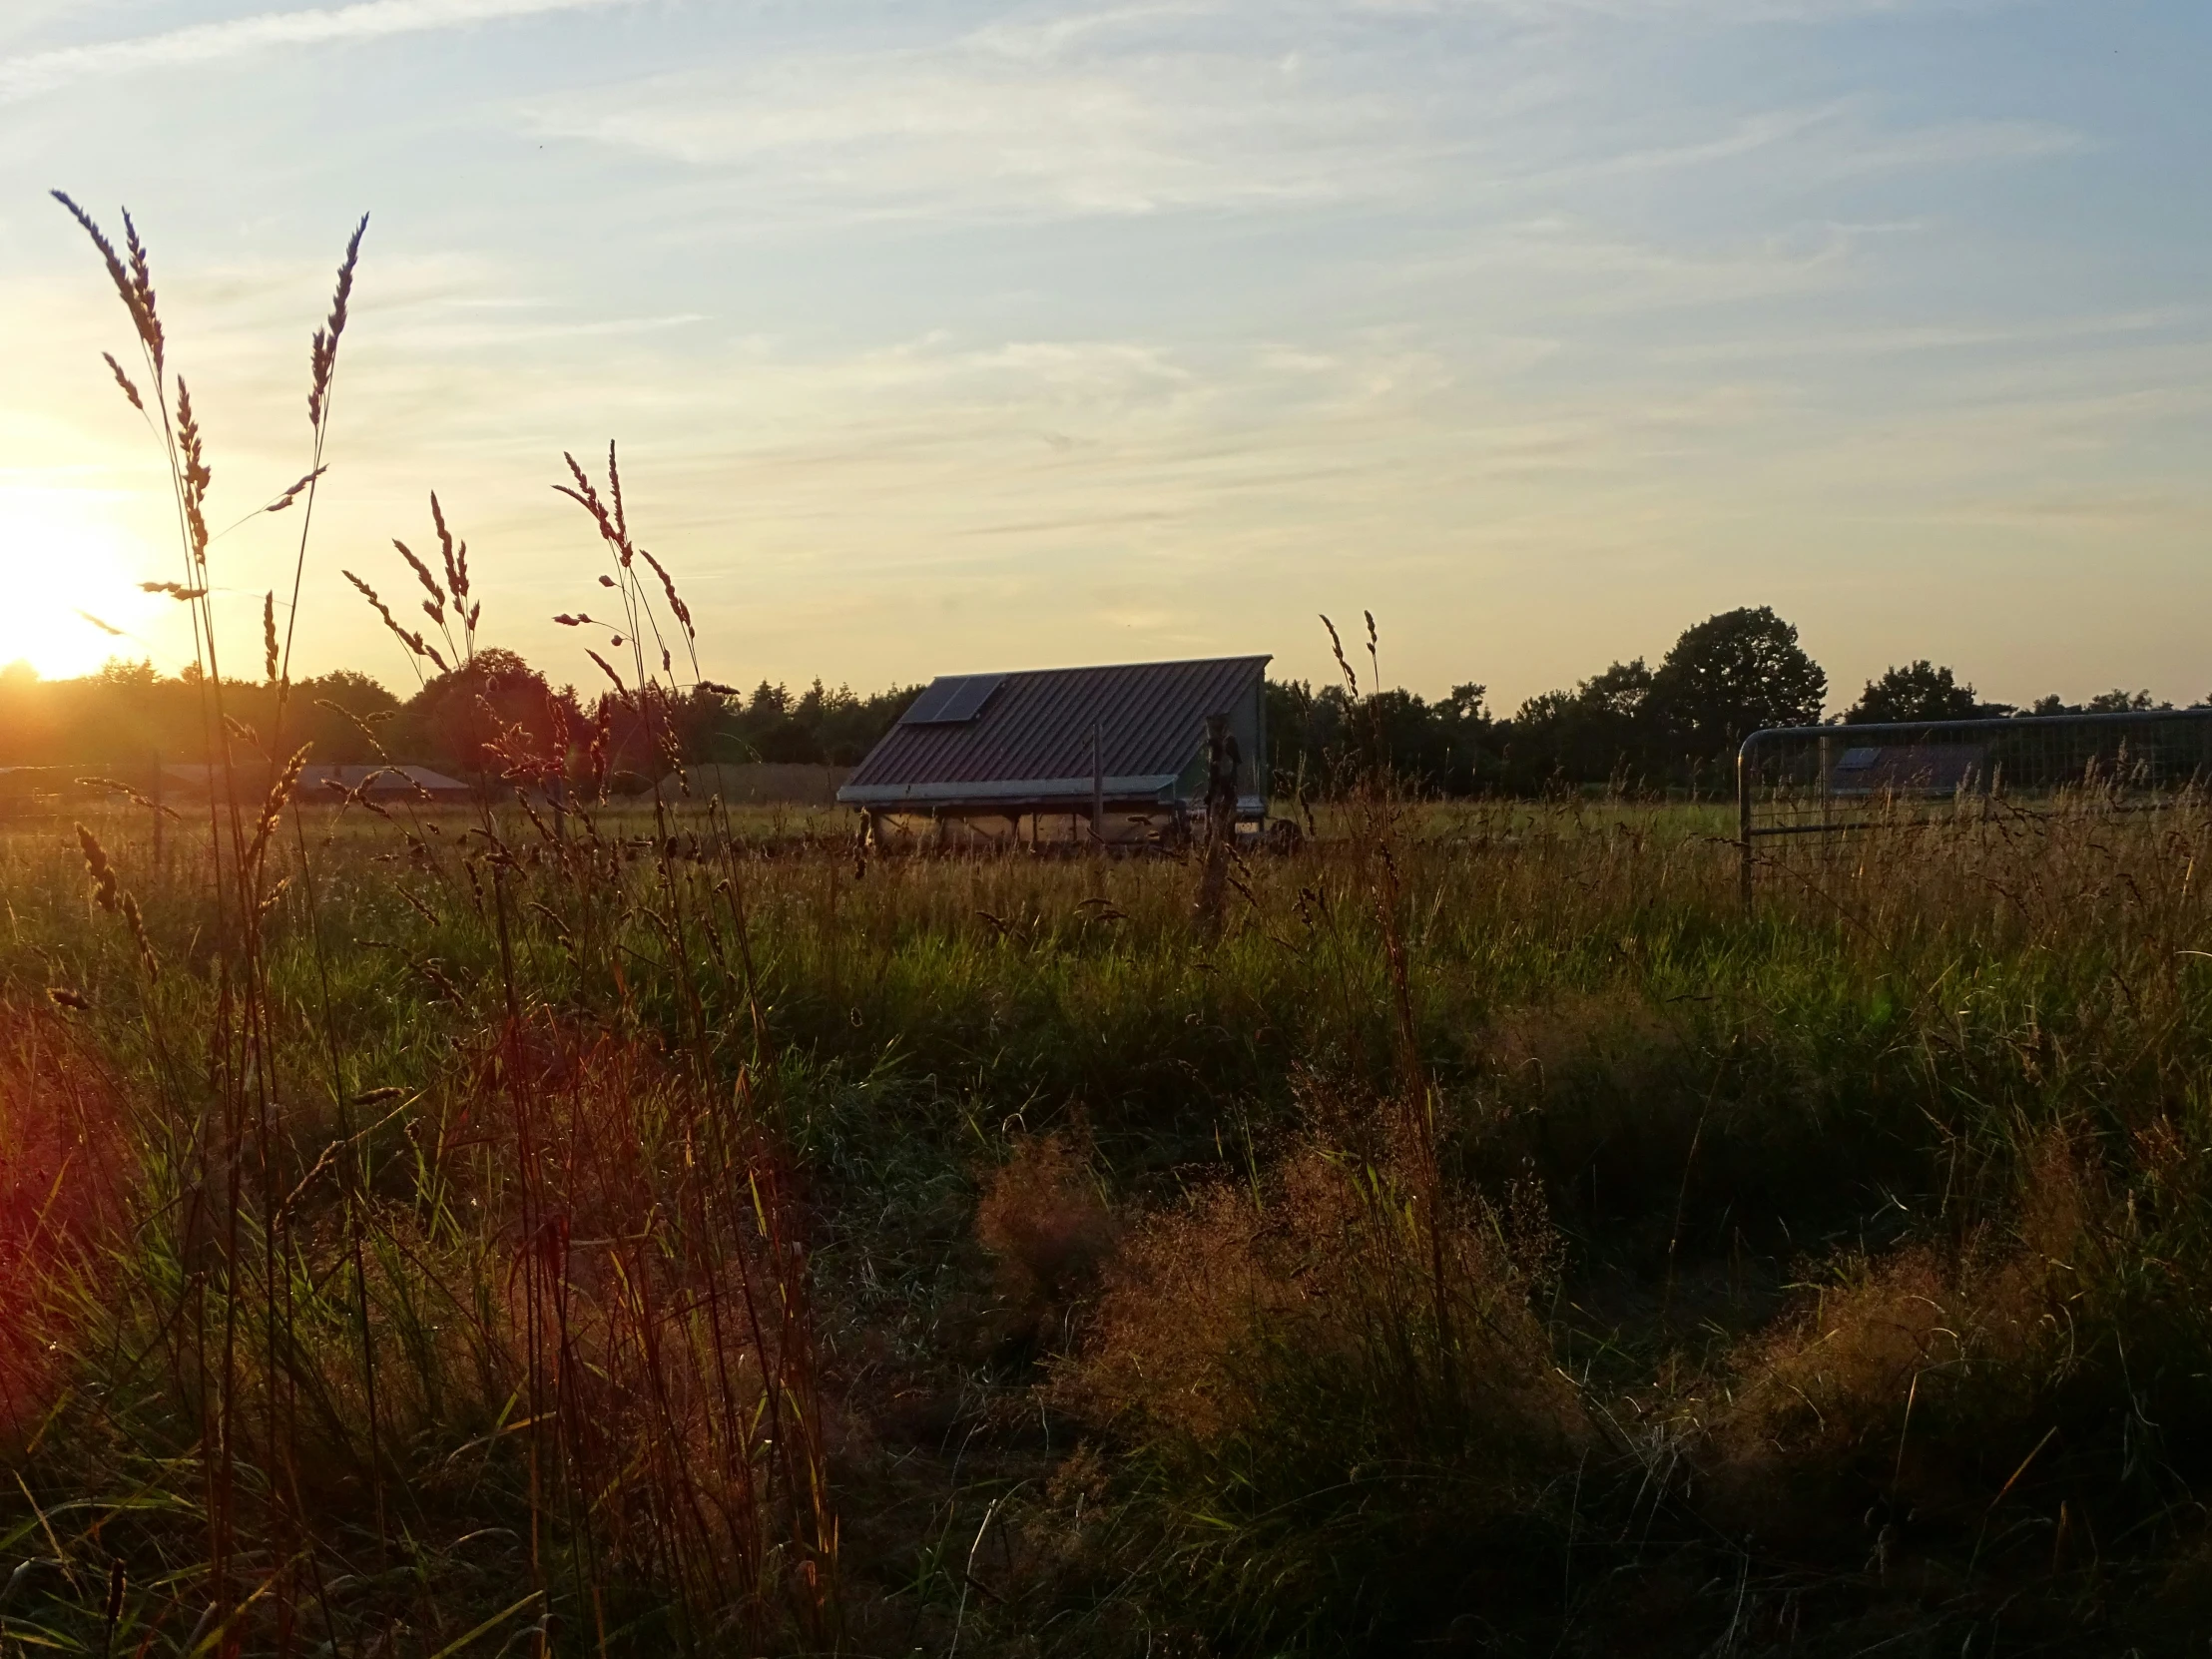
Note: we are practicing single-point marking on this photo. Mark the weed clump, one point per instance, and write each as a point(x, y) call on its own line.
point(1341, 1411)
point(1046, 1224)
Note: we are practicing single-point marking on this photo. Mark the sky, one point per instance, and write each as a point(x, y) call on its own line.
point(952, 335)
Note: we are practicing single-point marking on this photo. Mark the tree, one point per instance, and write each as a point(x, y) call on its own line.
point(1732, 674)
point(1919, 691)
point(491, 711)
point(1599, 731)
point(2118, 702)
point(338, 712)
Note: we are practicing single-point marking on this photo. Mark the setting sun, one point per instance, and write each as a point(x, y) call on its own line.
point(66, 557)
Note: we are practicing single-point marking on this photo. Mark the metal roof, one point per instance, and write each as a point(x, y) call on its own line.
point(1918, 769)
point(1029, 736)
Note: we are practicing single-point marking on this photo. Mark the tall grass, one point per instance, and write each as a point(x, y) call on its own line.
point(583, 1227)
point(589, 1270)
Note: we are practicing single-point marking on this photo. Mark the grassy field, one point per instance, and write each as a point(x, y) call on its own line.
point(680, 1235)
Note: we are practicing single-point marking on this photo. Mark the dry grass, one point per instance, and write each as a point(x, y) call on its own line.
point(1041, 1216)
point(65, 1179)
point(436, 1229)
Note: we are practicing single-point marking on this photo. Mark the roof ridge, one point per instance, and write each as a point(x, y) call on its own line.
point(1101, 668)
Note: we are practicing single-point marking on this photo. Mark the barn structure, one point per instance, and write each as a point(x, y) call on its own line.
point(322, 783)
point(1920, 769)
point(1115, 755)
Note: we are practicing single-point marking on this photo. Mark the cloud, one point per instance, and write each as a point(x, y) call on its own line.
point(980, 130)
point(204, 43)
point(1962, 144)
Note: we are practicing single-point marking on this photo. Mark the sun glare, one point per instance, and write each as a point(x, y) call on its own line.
point(65, 557)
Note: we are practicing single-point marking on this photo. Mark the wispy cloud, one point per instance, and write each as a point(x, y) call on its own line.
point(204, 43)
point(973, 130)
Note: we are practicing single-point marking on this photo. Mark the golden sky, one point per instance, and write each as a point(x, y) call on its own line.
point(958, 335)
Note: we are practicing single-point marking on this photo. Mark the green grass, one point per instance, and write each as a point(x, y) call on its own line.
point(1960, 1068)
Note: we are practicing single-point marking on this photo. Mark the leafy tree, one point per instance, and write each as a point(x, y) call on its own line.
point(1732, 674)
point(1308, 737)
point(1321, 743)
point(475, 718)
point(1919, 691)
point(820, 726)
point(2118, 702)
point(338, 712)
point(124, 714)
point(1601, 731)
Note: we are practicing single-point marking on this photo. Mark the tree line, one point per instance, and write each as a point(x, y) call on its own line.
point(477, 718)
point(1634, 726)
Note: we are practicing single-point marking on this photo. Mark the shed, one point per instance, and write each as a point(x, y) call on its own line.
point(1118, 753)
point(323, 782)
point(1920, 769)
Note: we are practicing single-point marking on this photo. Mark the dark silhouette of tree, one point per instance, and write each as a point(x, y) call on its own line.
point(345, 715)
point(488, 714)
point(2118, 702)
point(1918, 691)
point(127, 712)
point(1729, 676)
point(1321, 743)
point(1602, 730)
point(820, 727)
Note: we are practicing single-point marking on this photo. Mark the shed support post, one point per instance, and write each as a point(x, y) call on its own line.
point(1221, 824)
point(1742, 823)
point(1098, 788)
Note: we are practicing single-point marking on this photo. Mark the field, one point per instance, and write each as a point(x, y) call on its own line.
point(675, 1233)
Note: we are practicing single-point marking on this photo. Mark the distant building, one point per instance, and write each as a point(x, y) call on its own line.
point(322, 782)
point(1920, 769)
point(1065, 754)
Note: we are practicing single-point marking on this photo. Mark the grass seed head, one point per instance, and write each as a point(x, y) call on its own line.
point(124, 380)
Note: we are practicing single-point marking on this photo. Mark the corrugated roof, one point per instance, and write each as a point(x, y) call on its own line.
point(1918, 769)
point(1036, 731)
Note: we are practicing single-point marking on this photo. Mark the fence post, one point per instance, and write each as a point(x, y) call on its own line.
point(1098, 788)
point(1743, 821)
point(1221, 824)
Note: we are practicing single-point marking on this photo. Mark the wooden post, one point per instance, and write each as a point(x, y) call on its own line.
point(1221, 823)
point(1823, 791)
point(1098, 788)
point(1742, 823)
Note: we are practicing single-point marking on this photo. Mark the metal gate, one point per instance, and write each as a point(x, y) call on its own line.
point(1829, 780)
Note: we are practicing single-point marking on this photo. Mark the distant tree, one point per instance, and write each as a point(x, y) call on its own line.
point(1729, 676)
point(1306, 738)
point(1919, 691)
point(820, 726)
point(345, 715)
point(1600, 731)
point(1468, 740)
point(2117, 702)
point(851, 725)
point(463, 719)
point(1321, 744)
point(137, 676)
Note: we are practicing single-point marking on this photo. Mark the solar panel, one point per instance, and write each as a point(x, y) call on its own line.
point(952, 700)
